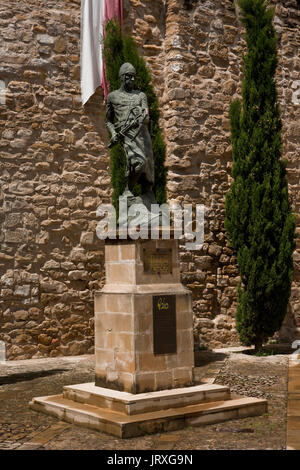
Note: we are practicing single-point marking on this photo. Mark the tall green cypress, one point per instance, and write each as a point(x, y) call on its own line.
point(259, 221)
point(118, 49)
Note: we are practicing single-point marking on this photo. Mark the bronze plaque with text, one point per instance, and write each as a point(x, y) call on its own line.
point(158, 261)
point(164, 324)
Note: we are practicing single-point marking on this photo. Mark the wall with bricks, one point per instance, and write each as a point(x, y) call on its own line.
point(54, 164)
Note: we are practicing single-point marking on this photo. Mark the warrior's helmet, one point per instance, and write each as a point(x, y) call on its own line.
point(126, 68)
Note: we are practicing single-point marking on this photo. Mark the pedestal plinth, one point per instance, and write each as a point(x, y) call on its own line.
point(144, 352)
point(143, 319)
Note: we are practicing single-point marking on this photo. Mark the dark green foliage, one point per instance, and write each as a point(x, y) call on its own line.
point(117, 50)
point(259, 221)
point(117, 170)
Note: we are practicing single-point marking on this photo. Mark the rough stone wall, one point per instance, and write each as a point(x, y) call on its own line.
point(204, 46)
point(54, 169)
point(54, 173)
point(202, 75)
point(54, 164)
point(287, 23)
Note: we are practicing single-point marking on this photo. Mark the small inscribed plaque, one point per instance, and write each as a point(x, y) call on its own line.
point(164, 324)
point(158, 261)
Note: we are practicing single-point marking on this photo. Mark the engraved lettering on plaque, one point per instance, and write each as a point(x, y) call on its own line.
point(164, 324)
point(158, 261)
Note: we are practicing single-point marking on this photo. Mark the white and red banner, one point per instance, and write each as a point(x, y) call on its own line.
point(94, 15)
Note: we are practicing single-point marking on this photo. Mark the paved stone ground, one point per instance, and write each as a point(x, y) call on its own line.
point(23, 428)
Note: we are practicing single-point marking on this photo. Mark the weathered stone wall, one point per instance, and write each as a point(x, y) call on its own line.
point(204, 46)
point(54, 162)
point(202, 70)
point(287, 22)
point(54, 172)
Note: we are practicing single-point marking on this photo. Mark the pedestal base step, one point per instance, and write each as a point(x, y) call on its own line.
point(132, 404)
point(123, 425)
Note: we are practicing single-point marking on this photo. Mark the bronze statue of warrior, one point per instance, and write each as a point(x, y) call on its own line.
point(127, 117)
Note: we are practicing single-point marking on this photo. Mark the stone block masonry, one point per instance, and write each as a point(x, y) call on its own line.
point(129, 353)
point(54, 163)
point(203, 59)
point(54, 174)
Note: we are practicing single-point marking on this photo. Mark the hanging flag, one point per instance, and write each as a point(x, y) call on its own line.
point(94, 15)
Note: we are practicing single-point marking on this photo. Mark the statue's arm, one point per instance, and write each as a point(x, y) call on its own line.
point(110, 116)
point(144, 105)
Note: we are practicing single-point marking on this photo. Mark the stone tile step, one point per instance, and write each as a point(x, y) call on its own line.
point(293, 439)
point(294, 375)
point(131, 404)
point(293, 423)
point(293, 408)
point(293, 387)
point(124, 426)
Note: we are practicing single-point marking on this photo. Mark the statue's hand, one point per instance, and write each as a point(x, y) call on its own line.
point(145, 116)
point(114, 139)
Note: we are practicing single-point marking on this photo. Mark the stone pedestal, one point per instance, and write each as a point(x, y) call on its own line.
point(143, 319)
point(144, 352)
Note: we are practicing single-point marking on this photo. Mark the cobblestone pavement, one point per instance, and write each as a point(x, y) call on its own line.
point(22, 428)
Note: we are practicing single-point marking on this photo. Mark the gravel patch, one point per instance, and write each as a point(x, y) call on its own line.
point(260, 377)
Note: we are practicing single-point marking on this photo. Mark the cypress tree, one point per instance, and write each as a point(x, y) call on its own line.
point(118, 49)
point(259, 221)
